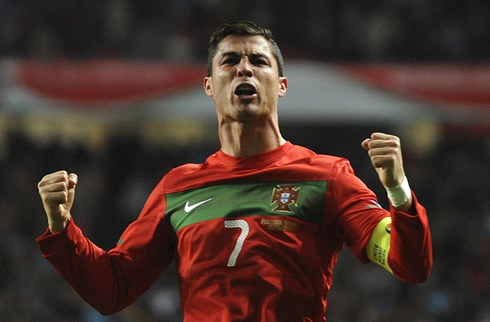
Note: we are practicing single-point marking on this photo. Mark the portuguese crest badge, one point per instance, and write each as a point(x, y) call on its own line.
point(283, 196)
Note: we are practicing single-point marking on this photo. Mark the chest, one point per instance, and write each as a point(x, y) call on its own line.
point(303, 200)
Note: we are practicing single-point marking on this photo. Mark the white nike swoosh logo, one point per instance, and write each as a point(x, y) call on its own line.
point(188, 208)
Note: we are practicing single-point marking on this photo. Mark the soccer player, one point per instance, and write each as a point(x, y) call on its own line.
point(256, 229)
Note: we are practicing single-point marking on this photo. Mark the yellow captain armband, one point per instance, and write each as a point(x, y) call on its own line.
point(378, 246)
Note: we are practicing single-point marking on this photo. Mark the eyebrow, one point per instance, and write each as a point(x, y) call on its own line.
point(235, 54)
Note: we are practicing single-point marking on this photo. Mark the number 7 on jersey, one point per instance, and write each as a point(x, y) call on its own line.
point(243, 225)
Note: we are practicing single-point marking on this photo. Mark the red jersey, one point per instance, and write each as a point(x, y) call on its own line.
point(255, 238)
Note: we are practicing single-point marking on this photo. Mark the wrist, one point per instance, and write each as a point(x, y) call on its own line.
point(55, 227)
point(400, 194)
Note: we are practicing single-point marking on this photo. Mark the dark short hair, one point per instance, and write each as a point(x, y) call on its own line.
point(243, 28)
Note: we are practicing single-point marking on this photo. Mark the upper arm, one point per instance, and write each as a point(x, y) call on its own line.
point(378, 246)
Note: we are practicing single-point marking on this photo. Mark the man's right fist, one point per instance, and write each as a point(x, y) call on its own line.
point(57, 191)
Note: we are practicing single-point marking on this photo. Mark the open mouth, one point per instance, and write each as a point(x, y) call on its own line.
point(245, 90)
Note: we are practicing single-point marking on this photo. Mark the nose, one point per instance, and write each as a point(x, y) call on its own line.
point(244, 68)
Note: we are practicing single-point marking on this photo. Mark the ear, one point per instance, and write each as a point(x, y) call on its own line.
point(208, 88)
point(283, 86)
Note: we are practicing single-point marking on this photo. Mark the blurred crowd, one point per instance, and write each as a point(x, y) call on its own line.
point(334, 30)
point(452, 180)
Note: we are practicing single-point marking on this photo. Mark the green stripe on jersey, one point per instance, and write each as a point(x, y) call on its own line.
point(304, 200)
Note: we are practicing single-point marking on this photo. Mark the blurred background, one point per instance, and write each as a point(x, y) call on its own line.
point(111, 90)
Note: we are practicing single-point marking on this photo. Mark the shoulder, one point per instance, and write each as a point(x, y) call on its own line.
point(323, 161)
point(180, 175)
point(190, 175)
point(300, 163)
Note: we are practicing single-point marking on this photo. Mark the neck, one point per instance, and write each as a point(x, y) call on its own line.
point(242, 139)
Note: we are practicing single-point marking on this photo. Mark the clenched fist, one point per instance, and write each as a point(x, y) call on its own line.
point(386, 157)
point(57, 191)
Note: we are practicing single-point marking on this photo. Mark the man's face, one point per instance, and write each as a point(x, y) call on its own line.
point(245, 82)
